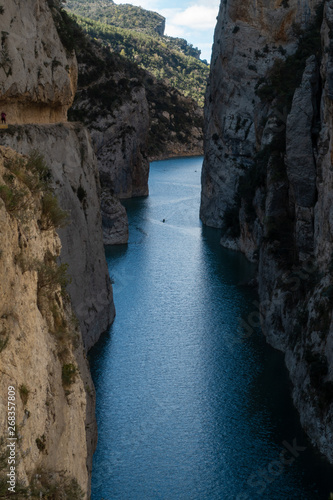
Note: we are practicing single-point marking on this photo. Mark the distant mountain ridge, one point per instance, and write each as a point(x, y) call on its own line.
point(137, 34)
point(122, 16)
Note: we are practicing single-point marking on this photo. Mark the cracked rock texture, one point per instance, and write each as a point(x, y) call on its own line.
point(44, 334)
point(249, 36)
point(267, 180)
point(67, 151)
point(37, 77)
point(55, 423)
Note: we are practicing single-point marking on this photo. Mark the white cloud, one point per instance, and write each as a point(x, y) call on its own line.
point(176, 31)
point(193, 20)
point(195, 17)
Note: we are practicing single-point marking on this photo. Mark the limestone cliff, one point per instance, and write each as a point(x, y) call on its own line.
point(37, 76)
point(68, 152)
point(249, 37)
point(42, 338)
point(120, 141)
point(41, 350)
point(34, 48)
point(267, 180)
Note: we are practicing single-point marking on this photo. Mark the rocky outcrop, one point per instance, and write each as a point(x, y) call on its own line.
point(114, 220)
point(267, 181)
point(120, 141)
point(132, 118)
point(160, 28)
point(67, 151)
point(41, 351)
point(114, 108)
point(38, 77)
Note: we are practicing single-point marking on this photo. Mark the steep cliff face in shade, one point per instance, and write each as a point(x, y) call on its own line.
point(114, 220)
point(176, 122)
point(38, 78)
point(120, 140)
point(41, 350)
point(267, 182)
point(68, 152)
point(249, 37)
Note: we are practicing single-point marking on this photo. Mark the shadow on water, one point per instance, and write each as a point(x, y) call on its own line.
point(232, 265)
point(191, 404)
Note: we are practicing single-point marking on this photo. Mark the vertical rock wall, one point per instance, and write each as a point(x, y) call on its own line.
point(249, 36)
point(39, 339)
point(68, 152)
point(41, 344)
point(267, 180)
point(37, 76)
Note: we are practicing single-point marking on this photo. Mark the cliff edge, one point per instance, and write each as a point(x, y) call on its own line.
point(37, 89)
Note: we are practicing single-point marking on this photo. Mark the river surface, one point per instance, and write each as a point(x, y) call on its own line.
point(191, 404)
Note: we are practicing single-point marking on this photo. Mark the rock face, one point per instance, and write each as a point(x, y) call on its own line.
point(267, 181)
point(160, 28)
point(114, 219)
point(38, 78)
point(176, 123)
point(39, 341)
point(249, 36)
point(120, 141)
point(67, 151)
point(132, 118)
point(42, 338)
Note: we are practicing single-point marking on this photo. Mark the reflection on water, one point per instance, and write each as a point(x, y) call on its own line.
point(189, 406)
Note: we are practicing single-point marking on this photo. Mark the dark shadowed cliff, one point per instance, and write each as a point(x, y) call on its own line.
point(267, 180)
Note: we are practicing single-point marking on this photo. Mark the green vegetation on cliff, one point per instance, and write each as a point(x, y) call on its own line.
point(166, 58)
point(185, 73)
point(106, 82)
point(132, 18)
point(123, 15)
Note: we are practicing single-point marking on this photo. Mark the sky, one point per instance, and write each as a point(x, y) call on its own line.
point(193, 20)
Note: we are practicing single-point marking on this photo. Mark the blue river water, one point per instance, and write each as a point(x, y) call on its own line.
point(191, 404)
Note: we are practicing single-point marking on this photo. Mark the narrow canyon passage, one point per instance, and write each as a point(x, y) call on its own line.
point(190, 405)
